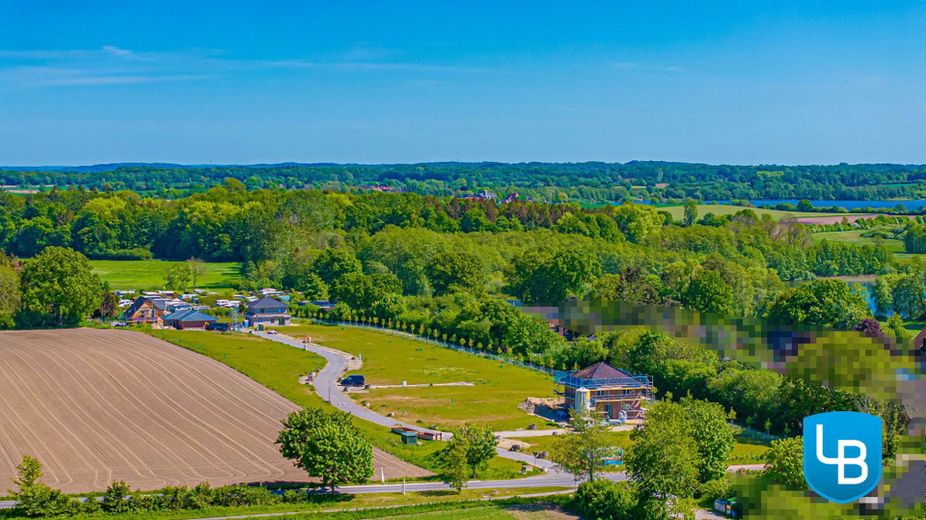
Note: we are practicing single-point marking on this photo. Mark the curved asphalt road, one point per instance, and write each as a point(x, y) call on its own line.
point(326, 386)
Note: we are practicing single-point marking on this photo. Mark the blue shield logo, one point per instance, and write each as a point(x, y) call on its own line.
point(842, 454)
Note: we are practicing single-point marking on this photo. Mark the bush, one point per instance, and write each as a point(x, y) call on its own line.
point(115, 500)
point(715, 489)
point(604, 500)
point(242, 495)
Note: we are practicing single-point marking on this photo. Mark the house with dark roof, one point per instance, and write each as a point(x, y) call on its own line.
point(147, 310)
point(188, 319)
point(267, 311)
point(605, 390)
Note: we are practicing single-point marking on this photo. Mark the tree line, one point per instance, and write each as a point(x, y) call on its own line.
point(548, 182)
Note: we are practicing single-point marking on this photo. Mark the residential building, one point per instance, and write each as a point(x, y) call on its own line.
point(606, 390)
point(188, 319)
point(267, 311)
point(147, 309)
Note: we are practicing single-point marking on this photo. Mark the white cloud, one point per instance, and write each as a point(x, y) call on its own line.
point(117, 51)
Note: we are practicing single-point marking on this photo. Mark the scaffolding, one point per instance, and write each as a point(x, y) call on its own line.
point(616, 398)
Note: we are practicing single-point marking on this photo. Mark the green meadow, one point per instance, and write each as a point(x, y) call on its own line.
point(278, 367)
point(727, 209)
point(389, 359)
point(149, 274)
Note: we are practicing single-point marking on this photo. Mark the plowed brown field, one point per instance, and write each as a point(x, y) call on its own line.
point(95, 406)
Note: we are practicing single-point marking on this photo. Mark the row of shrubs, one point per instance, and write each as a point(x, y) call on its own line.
point(36, 499)
point(603, 499)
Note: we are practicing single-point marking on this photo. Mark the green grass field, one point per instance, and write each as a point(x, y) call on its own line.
point(725, 209)
point(855, 237)
point(389, 359)
point(279, 367)
point(149, 274)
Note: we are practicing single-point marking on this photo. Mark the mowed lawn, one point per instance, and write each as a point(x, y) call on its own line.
point(278, 367)
point(149, 274)
point(390, 359)
point(745, 451)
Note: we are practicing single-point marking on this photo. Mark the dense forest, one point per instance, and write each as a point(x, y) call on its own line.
point(591, 182)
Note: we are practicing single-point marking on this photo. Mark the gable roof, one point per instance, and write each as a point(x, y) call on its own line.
point(266, 303)
point(188, 315)
point(156, 302)
point(600, 370)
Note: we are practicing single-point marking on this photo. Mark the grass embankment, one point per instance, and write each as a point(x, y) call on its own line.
point(146, 275)
point(745, 451)
point(471, 503)
point(278, 367)
point(390, 359)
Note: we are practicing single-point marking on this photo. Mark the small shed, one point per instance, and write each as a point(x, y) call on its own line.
point(408, 437)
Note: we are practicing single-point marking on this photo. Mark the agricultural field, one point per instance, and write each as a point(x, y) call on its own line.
point(492, 398)
point(96, 406)
point(728, 209)
point(149, 274)
point(279, 367)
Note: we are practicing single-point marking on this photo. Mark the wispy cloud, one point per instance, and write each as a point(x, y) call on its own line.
point(114, 65)
point(118, 51)
point(633, 65)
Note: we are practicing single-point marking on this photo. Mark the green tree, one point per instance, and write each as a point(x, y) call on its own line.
point(328, 446)
point(708, 292)
point(311, 286)
point(114, 499)
point(333, 264)
point(34, 498)
point(605, 500)
point(784, 462)
point(109, 304)
point(9, 292)
point(478, 444)
point(580, 453)
point(829, 303)
point(58, 288)
point(458, 270)
point(691, 212)
point(198, 269)
point(663, 458)
point(178, 276)
point(541, 276)
point(712, 435)
point(454, 467)
point(907, 296)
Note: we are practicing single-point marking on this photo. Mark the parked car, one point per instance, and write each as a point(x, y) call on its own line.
point(219, 327)
point(355, 380)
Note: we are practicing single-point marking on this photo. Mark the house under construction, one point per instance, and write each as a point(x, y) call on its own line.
point(606, 390)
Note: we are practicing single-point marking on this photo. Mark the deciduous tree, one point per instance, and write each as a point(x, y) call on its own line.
point(328, 446)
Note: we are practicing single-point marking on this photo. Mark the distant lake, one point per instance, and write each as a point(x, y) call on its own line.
point(911, 205)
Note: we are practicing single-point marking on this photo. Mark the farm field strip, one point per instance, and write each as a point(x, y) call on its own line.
point(96, 406)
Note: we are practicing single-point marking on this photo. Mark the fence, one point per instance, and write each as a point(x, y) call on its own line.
point(476, 352)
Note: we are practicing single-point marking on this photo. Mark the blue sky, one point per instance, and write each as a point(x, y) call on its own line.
point(85, 82)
